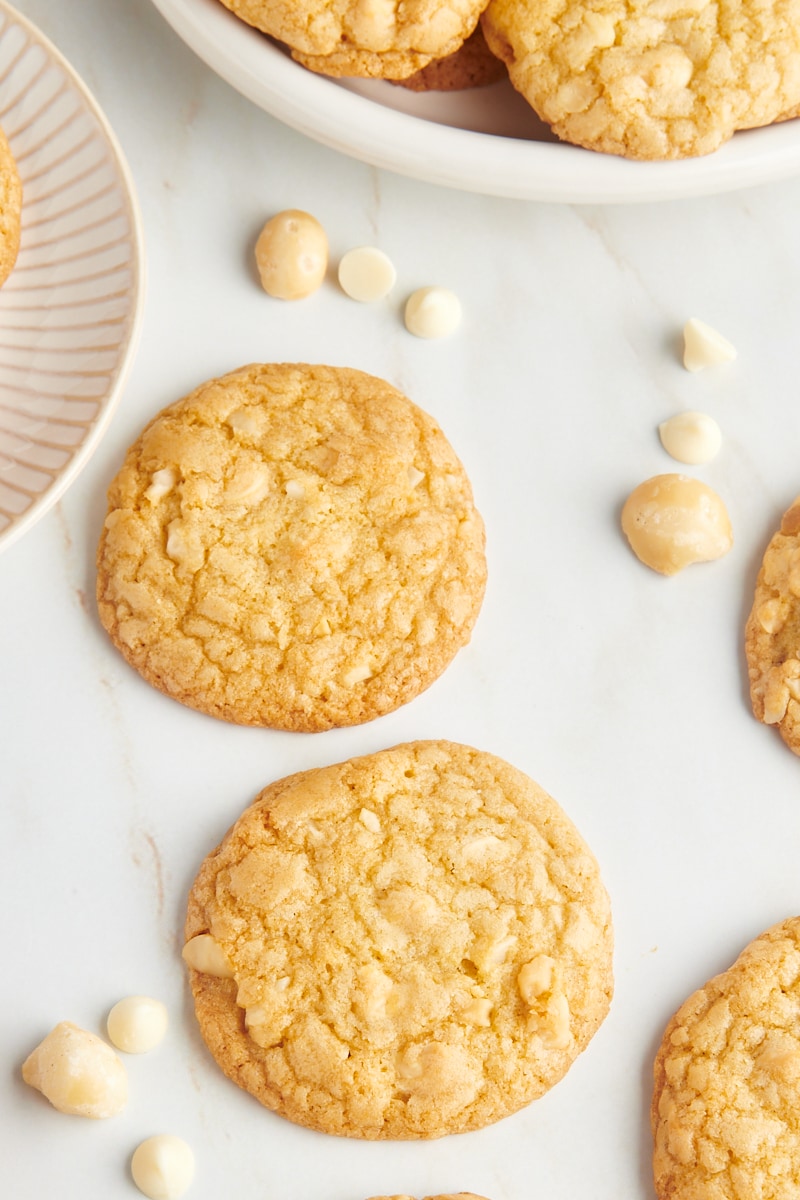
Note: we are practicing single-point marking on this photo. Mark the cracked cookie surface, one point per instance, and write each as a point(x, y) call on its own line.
point(724, 1114)
point(378, 39)
point(650, 80)
point(418, 943)
point(10, 209)
point(772, 633)
point(291, 546)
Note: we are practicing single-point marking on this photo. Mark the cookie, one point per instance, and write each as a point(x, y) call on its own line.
point(417, 943)
point(472, 65)
point(10, 209)
point(724, 1110)
point(371, 38)
point(291, 546)
point(772, 633)
point(650, 81)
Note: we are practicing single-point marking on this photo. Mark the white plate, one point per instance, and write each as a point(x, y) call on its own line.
point(485, 140)
point(71, 308)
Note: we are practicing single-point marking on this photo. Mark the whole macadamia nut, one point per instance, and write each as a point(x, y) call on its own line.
point(672, 521)
point(292, 255)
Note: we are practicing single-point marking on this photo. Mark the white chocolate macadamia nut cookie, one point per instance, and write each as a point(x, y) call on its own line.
point(650, 80)
point(373, 38)
point(724, 1111)
point(291, 546)
point(419, 941)
point(772, 635)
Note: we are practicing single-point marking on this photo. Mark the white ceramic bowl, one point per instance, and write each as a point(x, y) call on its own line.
point(71, 308)
point(485, 140)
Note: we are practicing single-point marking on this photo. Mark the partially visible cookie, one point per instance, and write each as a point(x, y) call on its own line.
point(650, 81)
point(372, 38)
point(10, 209)
point(291, 546)
point(724, 1111)
point(772, 633)
point(405, 945)
point(472, 65)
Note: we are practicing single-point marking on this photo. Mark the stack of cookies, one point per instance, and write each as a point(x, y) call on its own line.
point(642, 80)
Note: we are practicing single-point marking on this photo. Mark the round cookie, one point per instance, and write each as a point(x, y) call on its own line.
point(291, 546)
point(472, 65)
point(724, 1110)
point(372, 38)
point(650, 81)
point(417, 943)
point(772, 633)
point(10, 209)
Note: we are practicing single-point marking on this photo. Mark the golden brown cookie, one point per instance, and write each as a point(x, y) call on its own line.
point(417, 943)
point(472, 65)
point(650, 81)
point(377, 39)
point(291, 546)
point(724, 1114)
point(10, 209)
point(772, 633)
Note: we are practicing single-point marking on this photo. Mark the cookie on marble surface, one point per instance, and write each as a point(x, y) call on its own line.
point(472, 65)
point(724, 1113)
point(375, 39)
point(405, 945)
point(291, 546)
point(772, 633)
point(649, 81)
point(10, 209)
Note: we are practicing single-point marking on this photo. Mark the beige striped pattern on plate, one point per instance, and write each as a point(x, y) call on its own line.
point(70, 310)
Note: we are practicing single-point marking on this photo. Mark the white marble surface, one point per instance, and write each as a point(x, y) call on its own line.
point(622, 692)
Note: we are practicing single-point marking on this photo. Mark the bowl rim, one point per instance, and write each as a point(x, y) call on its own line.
point(325, 110)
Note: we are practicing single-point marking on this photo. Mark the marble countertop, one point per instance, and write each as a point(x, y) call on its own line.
point(623, 693)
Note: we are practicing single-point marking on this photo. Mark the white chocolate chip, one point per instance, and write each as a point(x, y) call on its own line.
point(672, 521)
point(78, 1073)
point(204, 953)
point(183, 547)
point(292, 255)
point(480, 848)
point(294, 489)
point(322, 627)
point(163, 482)
point(414, 476)
point(432, 312)
point(356, 675)
point(691, 437)
point(162, 1167)
point(283, 983)
point(366, 274)
point(476, 1012)
point(137, 1024)
point(243, 421)
point(704, 347)
point(369, 820)
point(772, 615)
point(498, 952)
point(249, 485)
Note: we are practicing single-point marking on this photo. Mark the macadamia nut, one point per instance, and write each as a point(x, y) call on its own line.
point(672, 521)
point(137, 1024)
point(78, 1073)
point(163, 1167)
point(292, 255)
